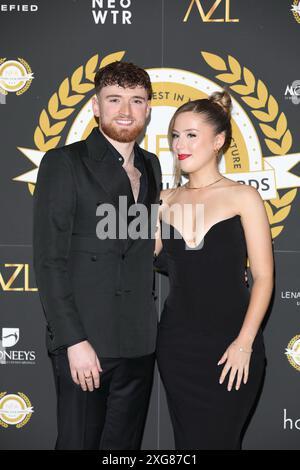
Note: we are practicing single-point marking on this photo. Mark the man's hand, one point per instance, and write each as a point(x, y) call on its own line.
point(84, 366)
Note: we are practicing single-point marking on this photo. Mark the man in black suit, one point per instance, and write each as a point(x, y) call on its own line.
point(96, 292)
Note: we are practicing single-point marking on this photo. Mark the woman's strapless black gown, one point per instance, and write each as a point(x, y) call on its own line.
point(202, 315)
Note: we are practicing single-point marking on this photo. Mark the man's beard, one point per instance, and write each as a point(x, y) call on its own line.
point(121, 135)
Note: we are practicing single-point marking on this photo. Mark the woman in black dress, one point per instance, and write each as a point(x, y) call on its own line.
point(210, 348)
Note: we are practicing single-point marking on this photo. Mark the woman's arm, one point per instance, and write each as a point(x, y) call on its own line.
point(259, 246)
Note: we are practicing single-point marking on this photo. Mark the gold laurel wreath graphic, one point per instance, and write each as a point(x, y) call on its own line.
point(266, 110)
point(295, 14)
point(26, 419)
point(27, 84)
point(290, 346)
point(2, 423)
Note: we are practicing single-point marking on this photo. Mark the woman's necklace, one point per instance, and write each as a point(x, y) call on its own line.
point(206, 186)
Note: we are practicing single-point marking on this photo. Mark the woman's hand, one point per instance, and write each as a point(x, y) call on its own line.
point(237, 360)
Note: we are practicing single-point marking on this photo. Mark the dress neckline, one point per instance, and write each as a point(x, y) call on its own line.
point(208, 231)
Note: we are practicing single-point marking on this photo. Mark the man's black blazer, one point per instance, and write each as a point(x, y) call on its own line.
point(99, 290)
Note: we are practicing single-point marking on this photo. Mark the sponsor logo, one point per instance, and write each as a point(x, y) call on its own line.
point(111, 11)
point(15, 410)
point(293, 352)
point(15, 76)
point(10, 337)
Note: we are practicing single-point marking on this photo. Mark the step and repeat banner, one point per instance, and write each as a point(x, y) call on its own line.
point(49, 53)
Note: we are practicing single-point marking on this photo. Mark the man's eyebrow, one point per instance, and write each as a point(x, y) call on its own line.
point(121, 96)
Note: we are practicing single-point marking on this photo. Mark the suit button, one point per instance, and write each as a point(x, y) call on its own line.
point(94, 258)
point(118, 292)
point(123, 256)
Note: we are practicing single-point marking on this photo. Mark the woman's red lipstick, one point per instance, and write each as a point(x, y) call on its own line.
point(183, 156)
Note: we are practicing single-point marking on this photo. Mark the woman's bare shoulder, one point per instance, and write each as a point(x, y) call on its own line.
point(246, 191)
point(227, 182)
point(242, 189)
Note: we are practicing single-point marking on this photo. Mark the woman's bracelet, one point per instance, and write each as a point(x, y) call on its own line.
point(244, 350)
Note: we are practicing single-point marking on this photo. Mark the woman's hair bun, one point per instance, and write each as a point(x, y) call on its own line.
point(223, 99)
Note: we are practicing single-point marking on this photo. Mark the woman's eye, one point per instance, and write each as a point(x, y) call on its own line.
point(191, 135)
point(174, 136)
